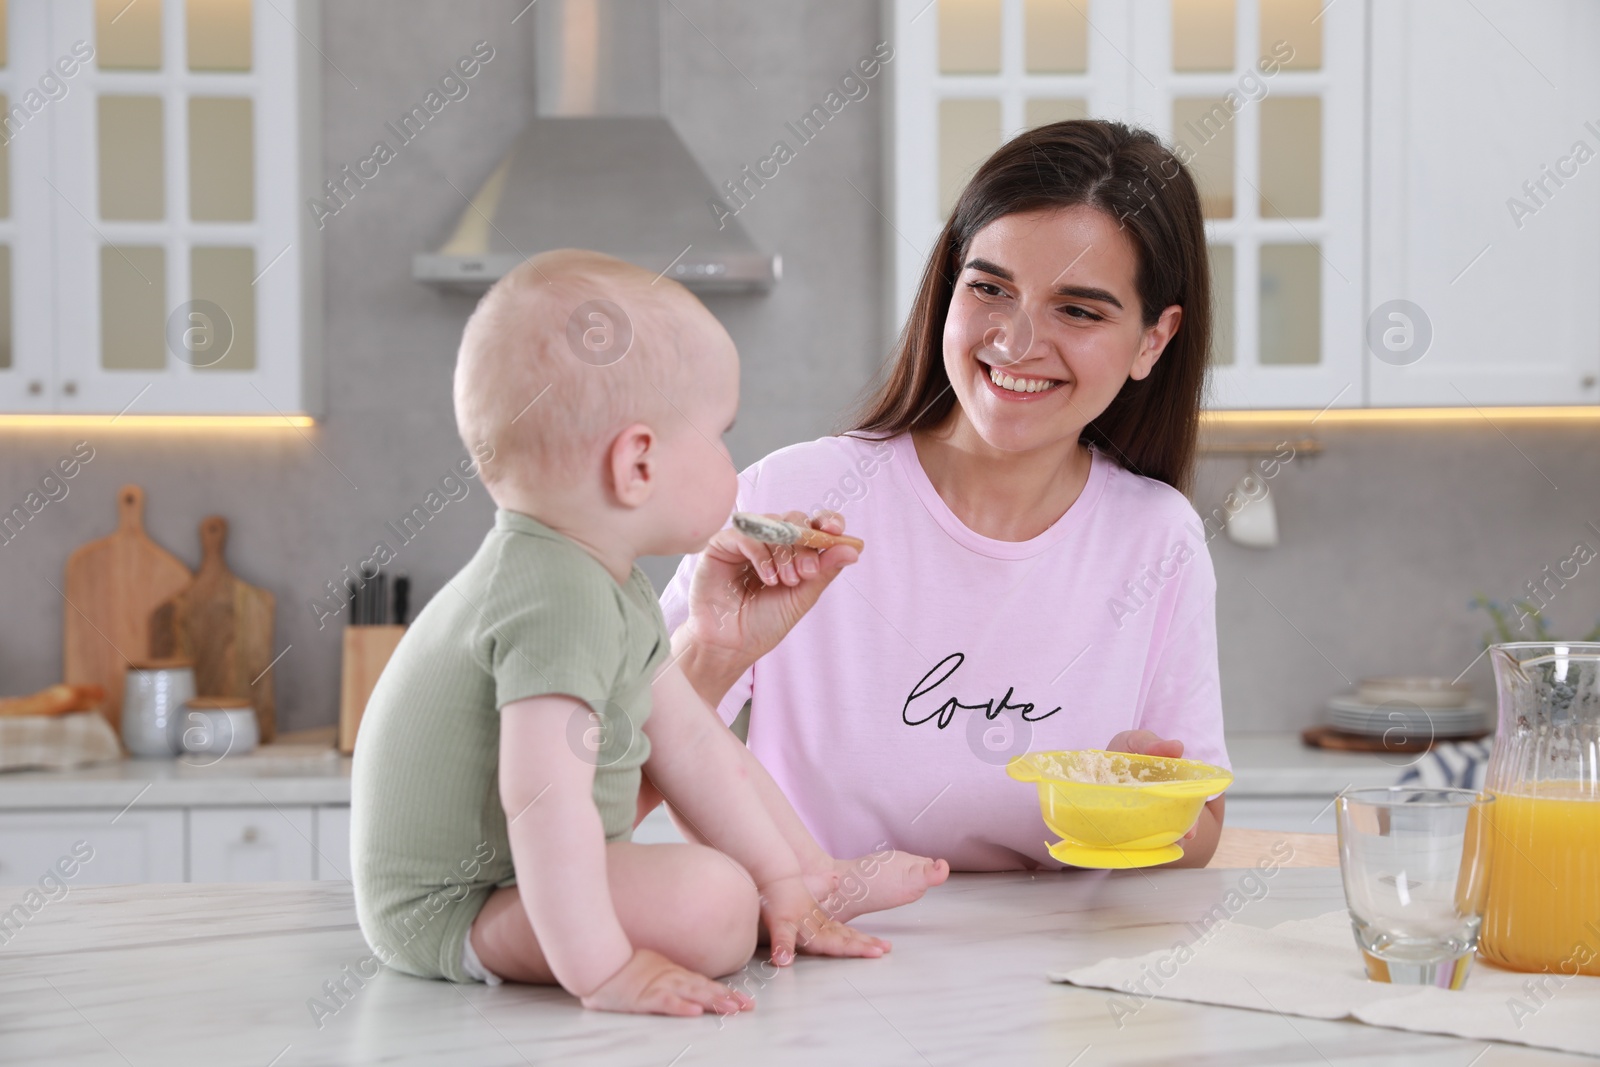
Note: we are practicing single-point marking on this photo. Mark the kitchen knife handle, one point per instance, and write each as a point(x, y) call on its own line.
point(402, 599)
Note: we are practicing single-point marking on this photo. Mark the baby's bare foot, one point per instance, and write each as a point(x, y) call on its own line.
point(879, 881)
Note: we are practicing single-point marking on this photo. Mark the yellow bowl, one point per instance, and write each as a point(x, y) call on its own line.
point(1118, 824)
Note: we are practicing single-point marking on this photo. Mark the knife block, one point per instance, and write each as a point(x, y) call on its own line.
point(366, 652)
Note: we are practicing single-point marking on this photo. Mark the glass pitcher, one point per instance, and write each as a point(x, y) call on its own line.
point(1543, 912)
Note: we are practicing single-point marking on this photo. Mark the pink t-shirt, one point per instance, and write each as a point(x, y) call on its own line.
point(889, 711)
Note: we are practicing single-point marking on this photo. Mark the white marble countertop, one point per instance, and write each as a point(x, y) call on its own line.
point(1265, 765)
point(215, 975)
point(276, 774)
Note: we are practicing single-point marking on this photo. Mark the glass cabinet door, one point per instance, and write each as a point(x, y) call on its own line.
point(1254, 95)
point(179, 232)
point(1262, 99)
point(971, 74)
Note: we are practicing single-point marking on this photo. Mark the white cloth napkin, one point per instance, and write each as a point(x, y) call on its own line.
point(56, 742)
point(1311, 967)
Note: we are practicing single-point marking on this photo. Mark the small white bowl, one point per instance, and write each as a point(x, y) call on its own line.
point(218, 731)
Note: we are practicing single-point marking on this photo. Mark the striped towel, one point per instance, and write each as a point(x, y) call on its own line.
point(1450, 765)
point(56, 742)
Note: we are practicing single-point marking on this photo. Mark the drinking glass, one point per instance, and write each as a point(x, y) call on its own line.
point(1416, 873)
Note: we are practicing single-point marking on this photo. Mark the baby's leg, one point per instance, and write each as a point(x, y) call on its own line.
point(690, 903)
point(845, 888)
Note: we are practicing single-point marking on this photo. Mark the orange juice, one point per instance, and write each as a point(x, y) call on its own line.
point(1543, 912)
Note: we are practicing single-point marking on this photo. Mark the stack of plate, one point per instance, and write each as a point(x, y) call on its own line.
point(1422, 708)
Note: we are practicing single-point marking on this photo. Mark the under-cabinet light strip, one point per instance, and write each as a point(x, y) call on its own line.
point(1338, 416)
point(155, 422)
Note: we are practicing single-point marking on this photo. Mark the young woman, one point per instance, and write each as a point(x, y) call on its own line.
point(1033, 577)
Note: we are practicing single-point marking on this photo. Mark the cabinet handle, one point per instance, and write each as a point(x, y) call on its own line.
point(70, 388)
point(35, 387)
point(250, 835)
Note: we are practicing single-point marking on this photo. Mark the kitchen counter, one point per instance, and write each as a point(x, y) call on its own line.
point(211, 974)
point(272, 774)
point(1280, 765)
point(1265, 765)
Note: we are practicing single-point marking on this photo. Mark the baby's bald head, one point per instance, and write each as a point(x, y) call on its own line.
point(597, 342)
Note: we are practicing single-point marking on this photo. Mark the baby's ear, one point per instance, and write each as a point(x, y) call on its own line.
point(631, 465)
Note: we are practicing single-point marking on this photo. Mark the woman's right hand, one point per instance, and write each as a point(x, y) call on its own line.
point(651, 984)
point(745, 595)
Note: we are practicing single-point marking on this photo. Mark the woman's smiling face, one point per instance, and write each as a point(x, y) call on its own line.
point(1044, 326)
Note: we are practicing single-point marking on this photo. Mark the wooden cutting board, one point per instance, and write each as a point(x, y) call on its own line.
point(224, 626)
point(111, 587)
point(1328, 737)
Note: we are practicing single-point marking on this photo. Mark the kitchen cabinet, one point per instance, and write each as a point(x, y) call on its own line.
point(1485, 129)
point(281, 812)
point(1265, 109)
point(156, 253)
point(252, 844)
point(201, 844)
point(333, 843)
point(128, 846)
point(1261, 99)
point(1349, 157)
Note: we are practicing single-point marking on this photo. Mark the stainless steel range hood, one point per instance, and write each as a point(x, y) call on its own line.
point(600, 167)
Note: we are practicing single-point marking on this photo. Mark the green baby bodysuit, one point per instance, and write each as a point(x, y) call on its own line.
point(531, 614)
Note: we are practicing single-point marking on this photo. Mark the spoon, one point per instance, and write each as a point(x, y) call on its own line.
point(778, 532)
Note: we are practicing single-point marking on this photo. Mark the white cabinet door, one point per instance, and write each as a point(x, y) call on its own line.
point(131, 846)
point(951, 108)
point(1268, 117)
point(333, 843)
point(253, 844)
point(1485, 174)
point(184, 259)
point(28, 379)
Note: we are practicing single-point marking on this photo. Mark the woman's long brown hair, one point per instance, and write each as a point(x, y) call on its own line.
point(1151, 425)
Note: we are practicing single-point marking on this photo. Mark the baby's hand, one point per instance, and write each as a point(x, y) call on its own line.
point(651, 984)
point(795, 920)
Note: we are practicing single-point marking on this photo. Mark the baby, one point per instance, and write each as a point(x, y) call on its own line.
point(497, 779)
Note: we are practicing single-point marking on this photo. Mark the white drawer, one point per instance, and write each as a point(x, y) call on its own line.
point(123, 846)
point(333, 843)
point(251, 844)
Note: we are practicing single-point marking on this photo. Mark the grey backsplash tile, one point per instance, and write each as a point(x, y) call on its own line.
point(1384, 538)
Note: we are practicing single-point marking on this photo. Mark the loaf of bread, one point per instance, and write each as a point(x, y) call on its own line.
point(56, 700)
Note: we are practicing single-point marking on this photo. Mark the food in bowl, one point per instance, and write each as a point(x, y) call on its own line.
point(1118, 809)
point(1094, 768)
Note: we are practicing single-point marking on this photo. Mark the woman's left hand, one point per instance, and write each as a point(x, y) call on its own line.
point(1146, 743)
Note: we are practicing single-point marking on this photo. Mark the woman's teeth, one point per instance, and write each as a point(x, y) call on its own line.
point(1021, 385)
